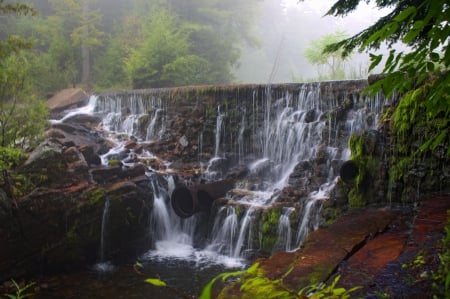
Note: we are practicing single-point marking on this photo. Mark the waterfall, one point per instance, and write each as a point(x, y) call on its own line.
point(309, 219)
point(241, 140)
point(219, 126)
point(103, 236)
point(88, 109)
point(245, 233)
point(151, 129)
point(284, 231)
point(224, 232)
point(270, 131)
point(172, 235)
point(103, 265)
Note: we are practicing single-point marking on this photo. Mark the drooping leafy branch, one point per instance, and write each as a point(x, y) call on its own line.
point(423, 26)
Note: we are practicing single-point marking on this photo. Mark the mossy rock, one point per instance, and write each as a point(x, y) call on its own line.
point(95, 196)
point(269, 228)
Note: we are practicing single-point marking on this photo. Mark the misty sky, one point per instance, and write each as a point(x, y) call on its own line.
point(286, 28)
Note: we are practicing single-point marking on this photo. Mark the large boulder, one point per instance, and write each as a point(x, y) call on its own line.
point(65, 99)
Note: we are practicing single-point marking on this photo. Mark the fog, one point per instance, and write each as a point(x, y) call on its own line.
point(121, 56)
point(285, 28)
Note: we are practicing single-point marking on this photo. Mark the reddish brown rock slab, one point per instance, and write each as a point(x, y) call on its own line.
point(431, 218)
point(326, 248)
point(361, 268)
point(398, 262)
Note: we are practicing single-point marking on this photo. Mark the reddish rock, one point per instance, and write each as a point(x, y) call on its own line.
point(324, 250)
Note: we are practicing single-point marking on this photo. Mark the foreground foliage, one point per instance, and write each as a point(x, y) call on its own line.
point(21, 291)
point(254, 284)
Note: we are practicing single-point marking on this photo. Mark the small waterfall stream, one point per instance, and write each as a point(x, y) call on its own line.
point(270, 133)
point(284, 231)
point(104, 230)
point(103, 265)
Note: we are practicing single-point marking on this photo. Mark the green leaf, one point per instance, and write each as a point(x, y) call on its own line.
point(418, 25)
point(375, 60)
point(414, 32)
point(438, 139)
point(254, 283)
point(156, 282)
point(374, 37)
point(389, 29)
point(206, 292)
point(338, 291)
point(390, 57)
point(410, 11)
point(252, 269)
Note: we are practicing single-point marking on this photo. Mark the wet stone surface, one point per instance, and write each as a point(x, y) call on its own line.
point(388, 253)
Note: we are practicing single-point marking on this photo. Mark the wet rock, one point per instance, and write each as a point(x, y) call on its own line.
point(133, 171)
point(105, 174)
point(89, 152)
point(86, 120)
point(320, 255)
point(310, 116)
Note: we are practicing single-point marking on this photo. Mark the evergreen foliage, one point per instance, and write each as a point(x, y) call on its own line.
point(159, 43)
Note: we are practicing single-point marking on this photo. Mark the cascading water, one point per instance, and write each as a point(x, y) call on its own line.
point(284, 232)
point(103, 237)
point(173, 236)
point(213, 171)
point(309, 219)
point(103, 265)
point(274, 133)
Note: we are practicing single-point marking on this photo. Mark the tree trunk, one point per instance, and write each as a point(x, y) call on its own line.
point(85, 54)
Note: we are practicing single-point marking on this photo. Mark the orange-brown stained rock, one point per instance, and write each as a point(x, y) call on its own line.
point(407, 238)
point(361, 267)
point(360, 246)
point(431, 217)
point(325, 249)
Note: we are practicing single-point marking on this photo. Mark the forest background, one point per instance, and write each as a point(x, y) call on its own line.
point(115, 44)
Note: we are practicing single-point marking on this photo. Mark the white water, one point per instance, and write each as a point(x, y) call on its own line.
point(174, 236)
point(291, 132)
point(88, 109)
point(284, 241)
point(103, 237)
point(104, 265)
point(310, 221)
point(219, 127)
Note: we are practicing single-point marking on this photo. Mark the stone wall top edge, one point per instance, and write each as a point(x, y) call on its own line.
point(239, 86)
